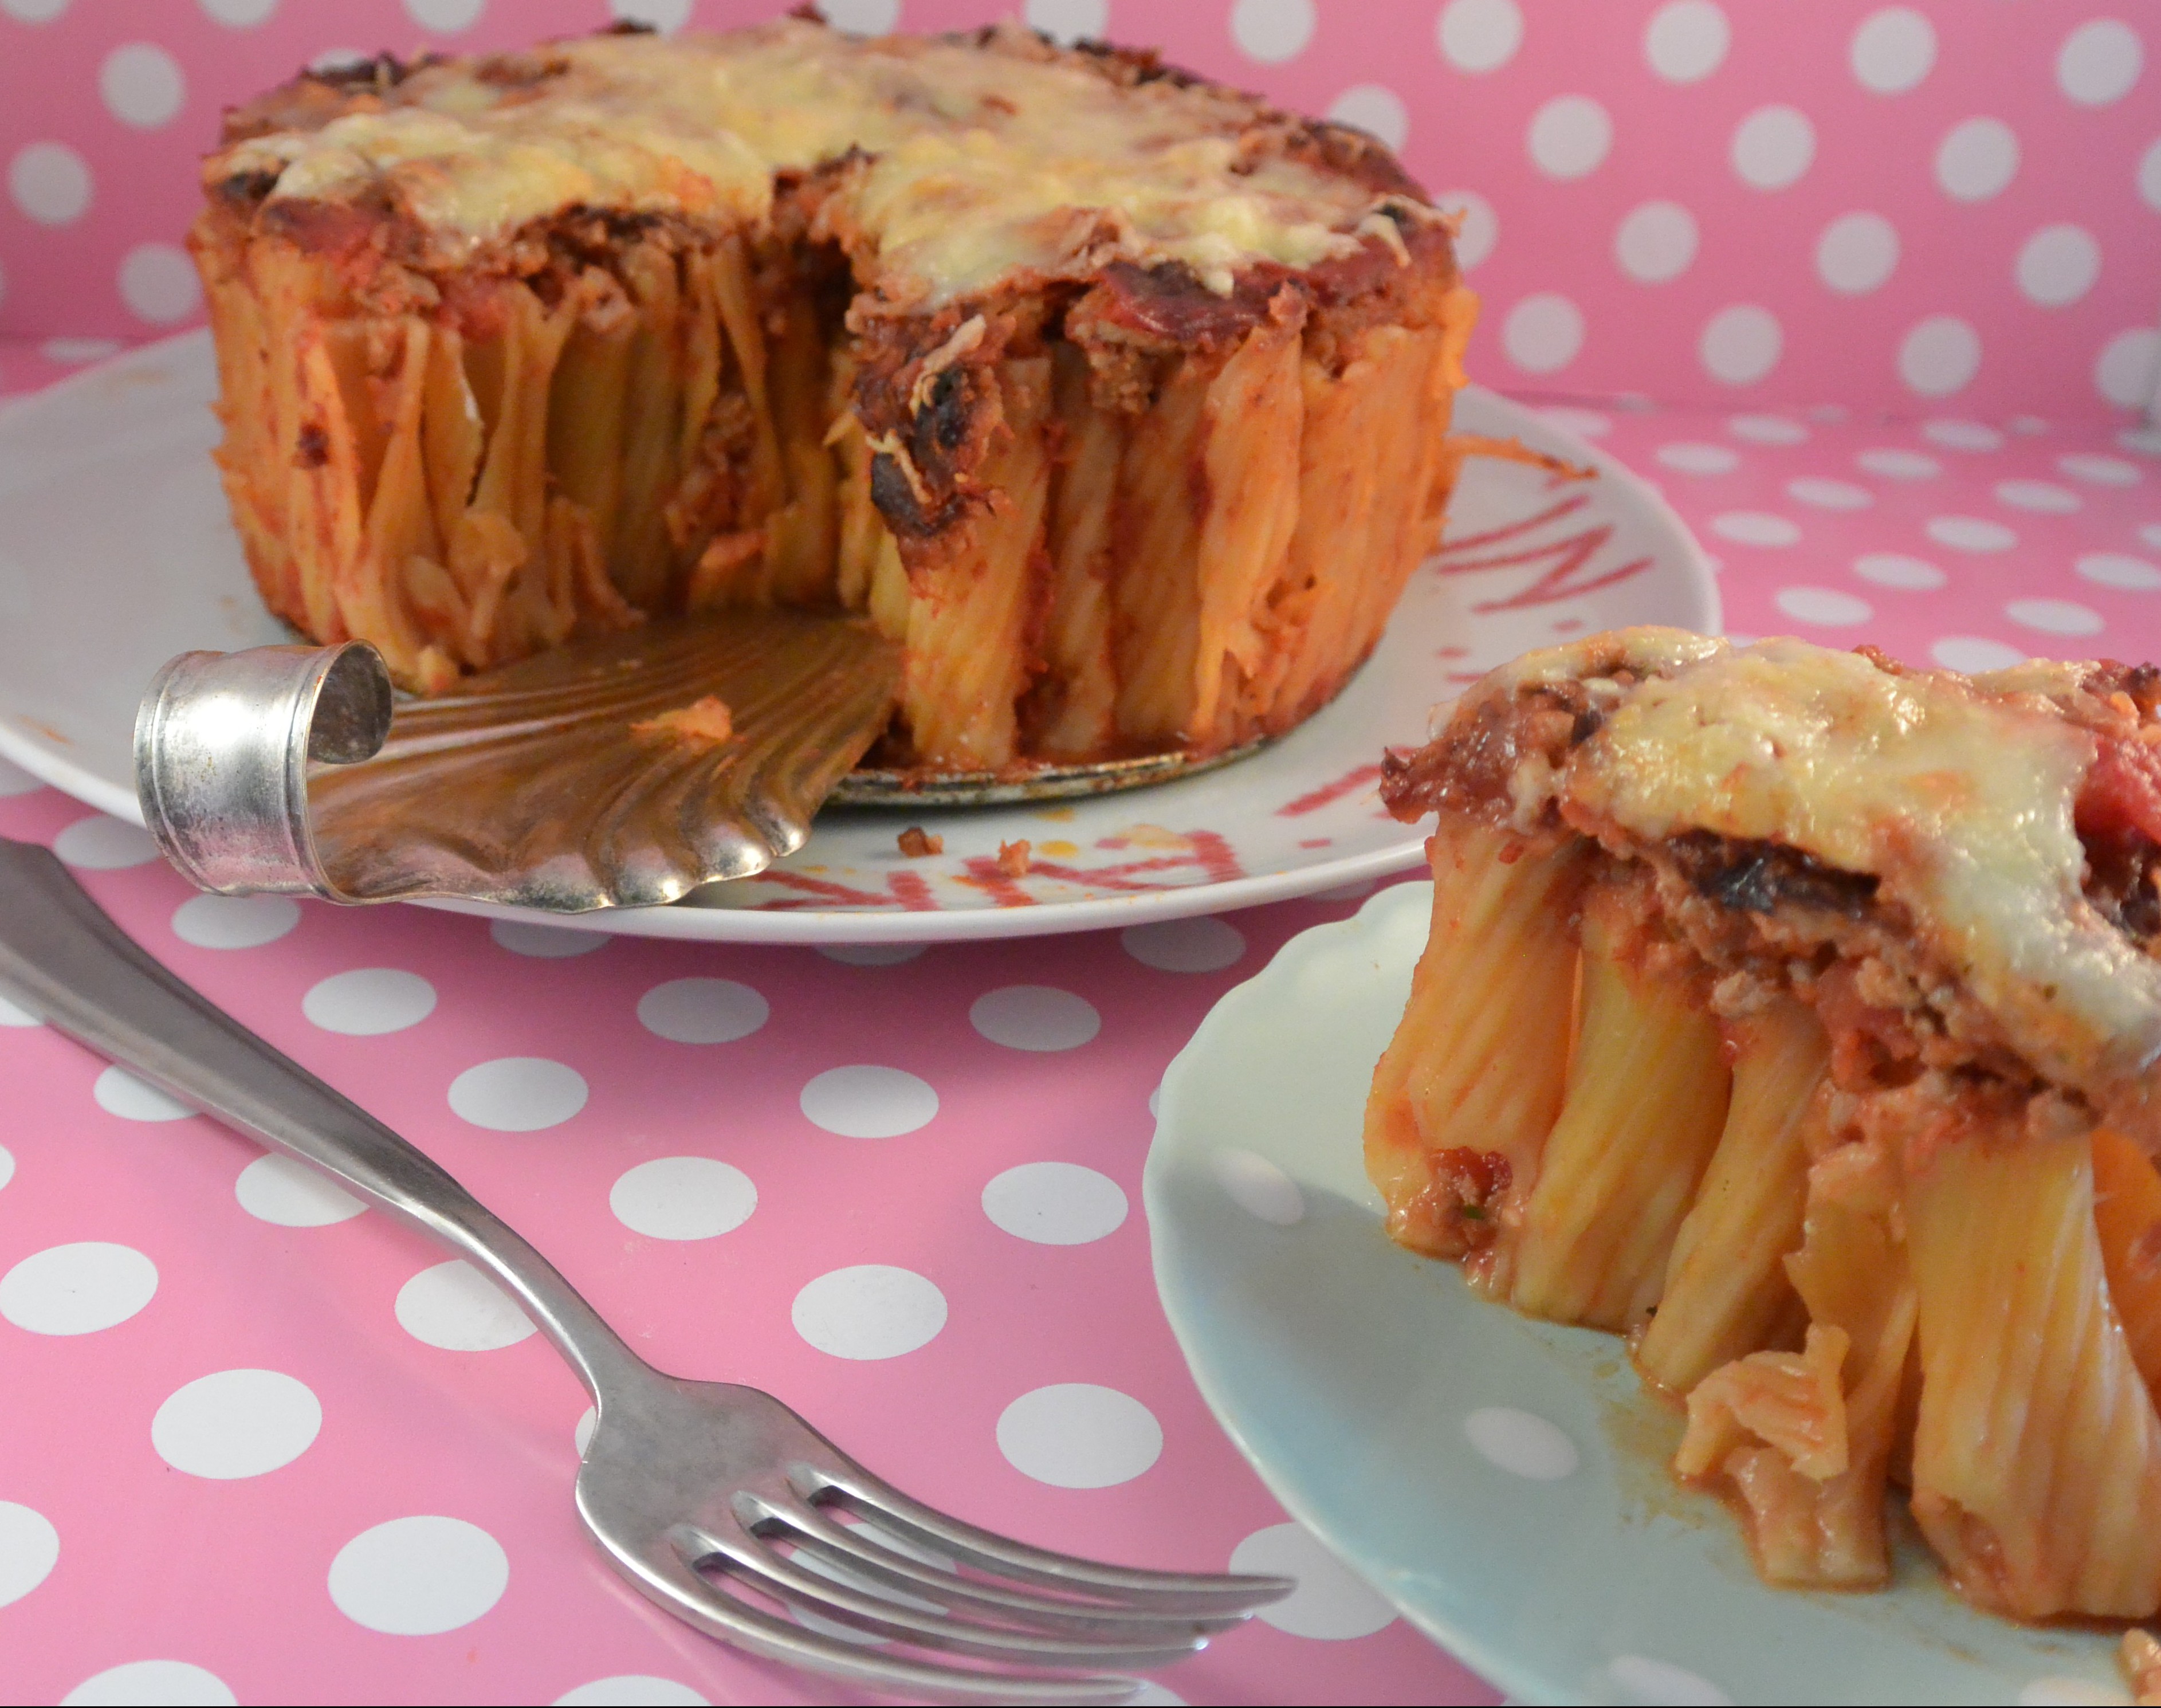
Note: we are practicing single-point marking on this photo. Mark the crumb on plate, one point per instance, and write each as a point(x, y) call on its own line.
point(705, 719)
point(1013, 858)
point(915, 842)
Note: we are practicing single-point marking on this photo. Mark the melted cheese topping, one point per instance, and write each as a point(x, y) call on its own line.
point(1957, 796)
point(986, 164)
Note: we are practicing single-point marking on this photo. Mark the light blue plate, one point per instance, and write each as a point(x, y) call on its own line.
point(1502, 1481)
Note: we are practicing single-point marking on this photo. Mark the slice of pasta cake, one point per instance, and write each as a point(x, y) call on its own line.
point(1797, 1015)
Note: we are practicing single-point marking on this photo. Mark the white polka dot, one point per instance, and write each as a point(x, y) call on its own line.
point(101, 844)
point(1034, 1017)
point(1755, 528)
point(1830, 495)
point(1329, 1603)
point(2127, 372)
point(1896, 465)
point(2058, 265)
point(1656, 241)
point(2054, 616)
point(665, 16)
point(2067, 1692)
point(1955, 434)
point(1272, 31)
point(544, 942)
point(448, 16)
point(418, 1576)
point(1857, 252)
point(2128, 575)
point(518, 1094)
point(1686, 40)
point(1077, 1435)
point(1890, 568)
point(1642, 1679)
point(1772, 147)
point(2099, 62)
point(159, 283)
point(236, 1423)
point(1894, 50)
point(1377, 111)
point(369, 1001)
point(869, 1311)
point(287, 1191)
point(2045, 496)
point(1257, 1186)
point(1585, 423)
point(29, 1549)
point(1977, 159)
point(119, 1092)
point(1067, 21)
point(1693, 459)
point(1766, 430)
point(860, 17)
point(6, 1165)
point(234, 921)
point(1974, 655)
point(872, 953)
point(1055, 1204)
point(1478, 227)
point(1971, 533)
point(152, 1683)
point(77, 1289)
point(2099, 471)
point(34, 11)
point(2150, 176)
point(582, 1436)
point(453, 1306)
point(2151, 533)
point(50, 183)
point(868, 1102)
point(1543, 333)
point(1202, 945)
point(73, 352)
point(702, 1010)
point(238, 14)
point(1569, 136)
point(1824, 607)
point(10, 1015)
point(1940, 355)
point(683, 1198)
point(1522, 1442)
point(15, 780)
point(142, 85)
point(1480, 36)
point(641, 1689)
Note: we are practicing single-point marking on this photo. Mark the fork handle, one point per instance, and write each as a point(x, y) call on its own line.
point(63, 959)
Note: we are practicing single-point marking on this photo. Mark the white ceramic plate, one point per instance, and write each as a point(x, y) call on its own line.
point(116, 552)
point(1502, 1481)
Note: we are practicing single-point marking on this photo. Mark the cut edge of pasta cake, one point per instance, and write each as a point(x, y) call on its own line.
point(1795, 1015)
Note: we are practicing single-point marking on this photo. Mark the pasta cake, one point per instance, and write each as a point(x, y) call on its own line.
point(1119, 398)
point(1796, 1015)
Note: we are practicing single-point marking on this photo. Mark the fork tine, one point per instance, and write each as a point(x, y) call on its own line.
point(1129, 1586)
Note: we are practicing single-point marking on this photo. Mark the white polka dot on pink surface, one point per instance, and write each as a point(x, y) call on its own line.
point(102, 844)
point(1257, 1186)
point(581, 1435)
point(159, 283)
point(119, 1092)
point(10, 1015)
point(1826, 494)
point(1974, 653)
point(2128, 366)
point(1857, 252)
point(418, 1576)
point(1202, 945)
point(2099, 62)
point(74, 352)
point(1890, 568)
point(1773, 147)
point(702, 1010)
point(1055, 1204)
point(1755, 528)
point(1686, 40)
point(1892, 50)
point(1741, 344)
point(2120, 570)
point(2150, 177)
point(152, 1683)
point(1585, 423)
point(1522, 1442)
point(1694, 459)
point(142, 85)
point(6, 1165)
point(1272, 31)
point(78, 1288)
point(1479, 35)
point(1331, 1603)
point(868, 1311)
point(544, 942)
point(15, 780)
point(1971, 533)
point(1824, 607)
point(236, 1423)
point(456, 1307)
point(518, 1094)
point(2058, 265)
point(872, 953)
point(1766, 430)
point(235, 921)
point(1067, 21)
point(1656, 241)
point(34, 11)
point(369, 1002)
point(2054, 616)
point(2099, 471)
point(1569, 136)
point(1376, 109)
point(1955, 434)
point(866, 1101)
point(666, 16)
point(866, 16)
point(1940, 355)
point(50, 183)
point(1035, 1018)
point(632, 1689)
point(29, 1549)
point(1543, 333)
point(1977, 159)
point(2044, 497)
point(1894, 464)
point(238, 14)
point(1079, 1434)
point(1478, 227)
point(1642, 1678)
point(683, 1198)
point(447, 16)
point(286, 1192)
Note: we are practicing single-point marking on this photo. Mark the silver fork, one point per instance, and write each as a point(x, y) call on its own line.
point(716, 1500)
